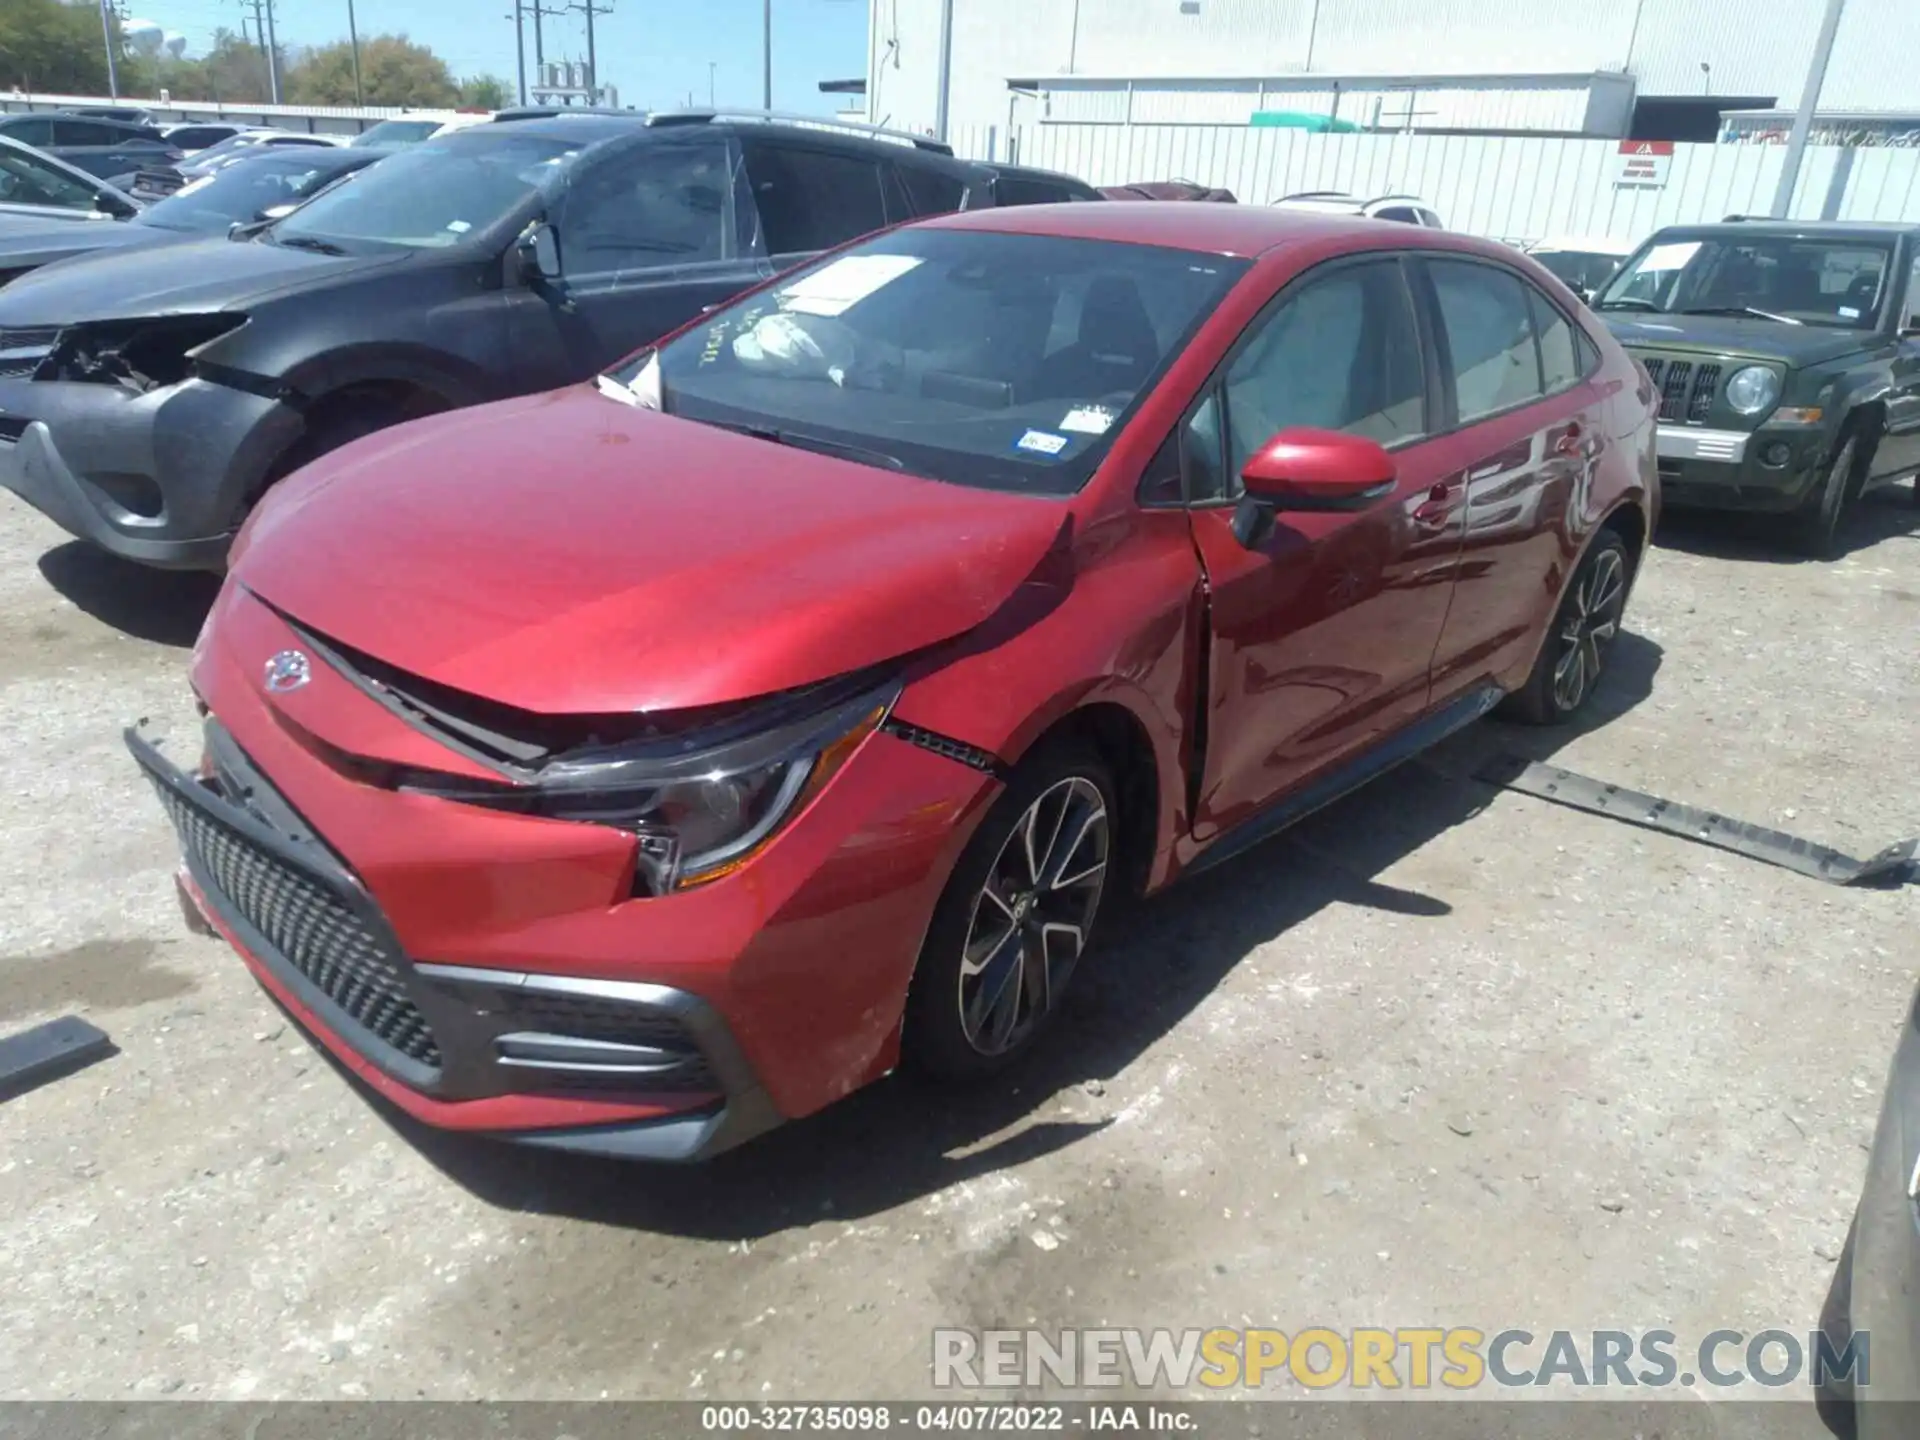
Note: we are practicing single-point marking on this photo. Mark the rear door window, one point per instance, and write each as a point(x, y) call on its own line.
point(1489, 333)
point(929, 191)
point(1560, 366)
point(813, 199)
point(87, 132)
point(1020, 190)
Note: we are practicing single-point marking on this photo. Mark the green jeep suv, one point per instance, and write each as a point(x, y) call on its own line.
point(1787, 359)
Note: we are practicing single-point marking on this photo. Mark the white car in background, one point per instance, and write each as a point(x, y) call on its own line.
point(1582, 263)
point(1405, 209)
point(417, 125)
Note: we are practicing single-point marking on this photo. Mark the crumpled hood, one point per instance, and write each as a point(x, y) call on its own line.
point(1731, 335)
point(567, 553)
point(188, 279)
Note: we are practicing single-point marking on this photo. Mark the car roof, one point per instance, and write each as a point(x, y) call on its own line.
point(1583, 245)
point(1797, 229)
point(1204, 229)
point(591, 127)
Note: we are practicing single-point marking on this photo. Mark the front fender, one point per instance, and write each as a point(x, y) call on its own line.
point(1123, 627)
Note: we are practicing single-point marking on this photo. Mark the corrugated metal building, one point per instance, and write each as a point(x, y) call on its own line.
point(1601, 67)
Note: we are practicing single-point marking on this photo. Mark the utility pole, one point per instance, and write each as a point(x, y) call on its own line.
point(353, 38)
point(766, 54)
point(945, 86)
point(712, 66)
point(263, 27)
point(273, 56)
point(589, 9)
point(536, 9)
point(106, 34)
point(1809, 102)
point(520, 48)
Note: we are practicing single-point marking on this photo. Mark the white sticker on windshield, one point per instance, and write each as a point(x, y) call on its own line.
point(844, 283)
point(459, 227)
point(1088, 420)
point(1042, 442)
point(1847, 312)
point(1670, 257)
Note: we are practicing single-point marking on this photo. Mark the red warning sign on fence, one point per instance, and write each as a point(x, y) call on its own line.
point(1643, 164)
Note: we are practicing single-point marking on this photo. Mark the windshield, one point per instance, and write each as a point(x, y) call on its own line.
point(25, 180)
point(1004, 361)
point(433, 194)
point(1835, 283)
point(397, 132)
point(244, 191)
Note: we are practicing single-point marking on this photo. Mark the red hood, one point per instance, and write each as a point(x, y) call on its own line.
point(569, 553)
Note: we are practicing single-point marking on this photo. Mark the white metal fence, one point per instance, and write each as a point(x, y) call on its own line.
point(1514, 187)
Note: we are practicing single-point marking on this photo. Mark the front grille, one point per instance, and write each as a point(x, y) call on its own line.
point(23, 350)
point(1687, 389)
point(586, 1017)
point(307, 927)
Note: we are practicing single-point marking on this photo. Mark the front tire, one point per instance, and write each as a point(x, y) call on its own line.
point(1817, 527)
point(1016, 918)
point(1584, 628)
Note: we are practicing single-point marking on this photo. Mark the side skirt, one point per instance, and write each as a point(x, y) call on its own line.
point(1318, 794)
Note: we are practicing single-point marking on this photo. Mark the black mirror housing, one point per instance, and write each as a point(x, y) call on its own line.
point(539, 252)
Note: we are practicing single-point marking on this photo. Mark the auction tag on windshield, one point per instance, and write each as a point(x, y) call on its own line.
point(1088, 420)
point(844, 283)
point(1041, 442)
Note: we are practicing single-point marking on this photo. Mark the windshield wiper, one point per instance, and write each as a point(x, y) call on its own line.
point(1627, 302)
point(1740, 310)
point(819, 444)
point(308, 242)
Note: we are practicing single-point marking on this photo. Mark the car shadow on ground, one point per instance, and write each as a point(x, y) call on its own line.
point(901, 1139)
point(163, 606)
point(1881, 515)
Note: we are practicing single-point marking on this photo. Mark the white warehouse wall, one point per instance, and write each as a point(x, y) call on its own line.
point(1752, 47)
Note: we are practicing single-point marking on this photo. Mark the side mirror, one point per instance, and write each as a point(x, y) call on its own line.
point(539, 252)
point(1911, 330)
point(1302, 469)
point(109, 203)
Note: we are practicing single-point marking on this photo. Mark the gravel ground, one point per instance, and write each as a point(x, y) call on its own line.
point(1439, 1056)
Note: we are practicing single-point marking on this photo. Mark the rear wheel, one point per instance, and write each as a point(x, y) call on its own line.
point(1016, 917)
point(1584, 629)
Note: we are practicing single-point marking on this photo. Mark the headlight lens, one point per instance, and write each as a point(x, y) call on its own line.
point(700, 805)
point(1752, 388)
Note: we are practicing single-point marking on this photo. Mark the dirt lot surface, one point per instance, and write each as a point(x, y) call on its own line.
point(1440, 1056)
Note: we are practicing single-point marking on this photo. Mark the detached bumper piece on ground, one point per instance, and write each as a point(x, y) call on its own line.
point(1892, 866)
point(47, 1052)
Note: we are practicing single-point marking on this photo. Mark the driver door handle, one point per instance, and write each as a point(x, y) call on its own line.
point(1442, 500)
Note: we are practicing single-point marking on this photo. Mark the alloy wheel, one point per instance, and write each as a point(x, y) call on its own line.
point(1587, 628)
point(1032, 918)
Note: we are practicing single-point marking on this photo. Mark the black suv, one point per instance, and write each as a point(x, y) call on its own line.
point(1787, 357)
point(147, 398)
point(111, 149)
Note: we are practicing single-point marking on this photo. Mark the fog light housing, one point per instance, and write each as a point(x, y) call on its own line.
point(1776, 454)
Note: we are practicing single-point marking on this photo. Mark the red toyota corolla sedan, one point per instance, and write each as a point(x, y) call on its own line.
point(629, 768)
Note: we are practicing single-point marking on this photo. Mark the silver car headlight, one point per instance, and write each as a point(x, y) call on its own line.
point(700, 803)
point(1752, 389)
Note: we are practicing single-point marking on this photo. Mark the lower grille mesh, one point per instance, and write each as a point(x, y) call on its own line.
point(308, 927)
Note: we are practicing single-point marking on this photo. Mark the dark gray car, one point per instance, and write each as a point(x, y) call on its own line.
point(110, 149)
point(261, 188)
point(148, 397)
point(39, 187)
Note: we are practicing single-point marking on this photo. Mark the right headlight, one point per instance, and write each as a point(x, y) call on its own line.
point(1752, 389)
point(702, 803)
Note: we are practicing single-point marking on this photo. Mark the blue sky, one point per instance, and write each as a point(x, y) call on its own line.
point(655, 51)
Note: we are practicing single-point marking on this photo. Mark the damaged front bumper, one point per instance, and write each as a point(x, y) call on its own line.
point(159, 477)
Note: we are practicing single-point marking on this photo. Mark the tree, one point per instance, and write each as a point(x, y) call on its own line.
point(53, 45)
point(486, 92)
point(393, 71)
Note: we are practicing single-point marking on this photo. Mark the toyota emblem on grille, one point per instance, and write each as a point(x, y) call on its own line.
point(288, 670)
